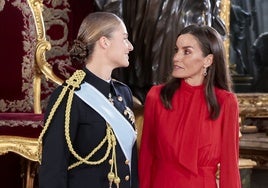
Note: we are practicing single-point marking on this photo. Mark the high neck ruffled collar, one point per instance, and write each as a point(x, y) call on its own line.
point(190, 88)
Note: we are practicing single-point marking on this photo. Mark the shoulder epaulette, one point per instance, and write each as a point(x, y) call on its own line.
point(72, 83)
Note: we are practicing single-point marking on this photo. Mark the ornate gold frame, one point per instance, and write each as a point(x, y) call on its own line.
point(42, 66)
point(24, 146)
point(225, 16)
point(251, 104)
point(27, 147)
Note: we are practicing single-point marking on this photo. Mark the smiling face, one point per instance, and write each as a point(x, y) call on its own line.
point(119, 47)
point(188, 61)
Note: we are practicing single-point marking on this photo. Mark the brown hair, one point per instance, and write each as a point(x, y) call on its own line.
point(94, 26)
point(217, 74)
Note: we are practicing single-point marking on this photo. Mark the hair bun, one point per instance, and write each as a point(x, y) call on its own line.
point(78, 51)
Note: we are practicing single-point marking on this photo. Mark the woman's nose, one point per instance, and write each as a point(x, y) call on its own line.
point(130, 46)
point(176, 56)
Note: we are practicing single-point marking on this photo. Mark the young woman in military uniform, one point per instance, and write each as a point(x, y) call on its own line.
point(89, 138)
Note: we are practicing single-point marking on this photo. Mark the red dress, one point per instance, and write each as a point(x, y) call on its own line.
point(182, 147)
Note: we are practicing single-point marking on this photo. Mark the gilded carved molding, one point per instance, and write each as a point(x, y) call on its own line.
point(253, 104)
point(42, 45)
point(41, 66)
point(26, 147)
point(225, 16)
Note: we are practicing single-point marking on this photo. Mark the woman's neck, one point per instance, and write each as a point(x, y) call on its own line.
point(100, 71)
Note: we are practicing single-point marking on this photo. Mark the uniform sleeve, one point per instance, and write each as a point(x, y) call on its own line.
point(147, 141)
point(55, 153)
point(229, 165)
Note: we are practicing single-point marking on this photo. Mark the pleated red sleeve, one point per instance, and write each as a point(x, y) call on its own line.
point(229, 165)
point(147, 140)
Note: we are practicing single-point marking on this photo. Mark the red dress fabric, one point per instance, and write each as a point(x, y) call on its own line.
point(182, 147)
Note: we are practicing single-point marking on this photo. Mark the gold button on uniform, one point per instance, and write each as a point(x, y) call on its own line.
point(127, 178)
point(127, 162)
point(119, 98)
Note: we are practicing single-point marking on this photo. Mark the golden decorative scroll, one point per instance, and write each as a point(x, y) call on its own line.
point(42, 66)
point(26, 147)
point(253, 105)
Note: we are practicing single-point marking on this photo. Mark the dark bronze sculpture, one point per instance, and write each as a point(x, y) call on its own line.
point(114, 6)
point(153, 26)
point(240, 21)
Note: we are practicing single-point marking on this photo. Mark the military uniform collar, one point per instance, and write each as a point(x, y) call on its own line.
point(100, 84)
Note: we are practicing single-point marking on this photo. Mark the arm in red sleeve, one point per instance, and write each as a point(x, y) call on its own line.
point(229, 165)
point(147, 141)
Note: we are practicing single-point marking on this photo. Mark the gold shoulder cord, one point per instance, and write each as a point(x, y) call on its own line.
point(72, 83)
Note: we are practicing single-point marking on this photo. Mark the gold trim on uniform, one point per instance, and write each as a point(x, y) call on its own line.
point(130, 115)
point(73, 83)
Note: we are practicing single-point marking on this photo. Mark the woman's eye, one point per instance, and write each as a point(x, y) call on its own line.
point(186, 52)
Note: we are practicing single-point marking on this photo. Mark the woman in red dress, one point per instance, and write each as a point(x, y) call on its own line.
point(191, 122)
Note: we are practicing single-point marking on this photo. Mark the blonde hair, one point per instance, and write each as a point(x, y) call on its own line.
point(94, 26)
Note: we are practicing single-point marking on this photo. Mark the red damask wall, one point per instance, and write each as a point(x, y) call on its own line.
point(62, 23)
point(18, 39)
point(6, 54)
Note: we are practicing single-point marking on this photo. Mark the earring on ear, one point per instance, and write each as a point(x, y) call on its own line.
point(205, 72)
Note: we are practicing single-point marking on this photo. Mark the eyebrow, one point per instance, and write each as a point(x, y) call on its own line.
point(185, 47)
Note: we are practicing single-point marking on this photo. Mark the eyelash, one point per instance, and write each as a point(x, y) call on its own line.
point(186, 52)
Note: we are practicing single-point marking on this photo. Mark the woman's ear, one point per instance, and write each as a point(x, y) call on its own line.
point(208, 60)
point(104, 42)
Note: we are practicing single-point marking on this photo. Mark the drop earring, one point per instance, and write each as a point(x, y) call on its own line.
point(205, 72)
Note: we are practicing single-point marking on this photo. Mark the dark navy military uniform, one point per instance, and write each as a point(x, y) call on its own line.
point(87, 130)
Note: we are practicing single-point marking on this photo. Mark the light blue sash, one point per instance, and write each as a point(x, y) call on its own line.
point(123, 130)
